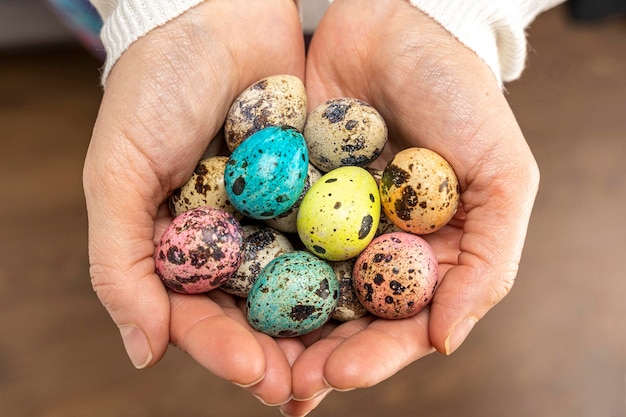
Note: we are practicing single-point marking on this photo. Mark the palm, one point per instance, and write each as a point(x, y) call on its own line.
point(434, 93)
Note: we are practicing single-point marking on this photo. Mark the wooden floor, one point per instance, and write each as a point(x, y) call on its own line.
point(556, 347)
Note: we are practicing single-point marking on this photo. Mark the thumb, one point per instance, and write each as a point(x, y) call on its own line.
point(121, 246)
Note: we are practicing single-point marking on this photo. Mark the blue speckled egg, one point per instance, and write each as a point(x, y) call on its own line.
point(266, 173)
point(293, 295)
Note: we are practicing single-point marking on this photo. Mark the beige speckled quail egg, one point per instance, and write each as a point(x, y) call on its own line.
point(419, 191)
point(344, 131)
point(262, 244)
point(348, 305)
point(287, 222)
point(273, 101)
point(204, 188)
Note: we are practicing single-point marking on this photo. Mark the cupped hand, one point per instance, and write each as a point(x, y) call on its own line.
point(164, 101)
point(433, 92)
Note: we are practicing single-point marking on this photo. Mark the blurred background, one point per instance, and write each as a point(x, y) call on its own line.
point(555, 347)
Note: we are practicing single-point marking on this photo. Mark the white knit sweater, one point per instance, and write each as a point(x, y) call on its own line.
point(493, 29)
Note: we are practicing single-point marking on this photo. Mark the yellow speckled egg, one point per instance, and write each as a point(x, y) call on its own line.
point(419, 191)
point(273, 101)
point(339, 215)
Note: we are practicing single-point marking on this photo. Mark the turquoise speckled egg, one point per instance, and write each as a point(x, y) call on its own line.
point(293, 295)
point(339, 215)
point(266, 173)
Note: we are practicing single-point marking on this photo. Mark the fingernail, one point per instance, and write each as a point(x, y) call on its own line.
point(249, 384)
point(337, 389)
point(289, 415)
point(317, 394)
point(136, 345)
point(270, 404)
point(459, 334)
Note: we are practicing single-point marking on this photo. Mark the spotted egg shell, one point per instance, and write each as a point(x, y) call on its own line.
point(339, 215)
point(262, 244)
point(293, 295)
point(205, 187)
point(396, 275)
point(348, 305)
point(199, 250)
point(384, 225)
point(273, 101)
point(419, 191)
point(344, 132)
point(265, 175)
point(287, 222)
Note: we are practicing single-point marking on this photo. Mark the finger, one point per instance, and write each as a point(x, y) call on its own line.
point(274, 387)
point(378, 352)
point(214, 339)
point(292, 348)
point(301, 408)
point(121, 246)
point(308, 370)
point(138, 304)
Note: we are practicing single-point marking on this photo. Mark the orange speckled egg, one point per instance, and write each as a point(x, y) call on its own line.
point(419, 191)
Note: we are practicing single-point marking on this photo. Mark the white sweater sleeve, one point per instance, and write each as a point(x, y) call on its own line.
point(493, 29)
point(125, 21)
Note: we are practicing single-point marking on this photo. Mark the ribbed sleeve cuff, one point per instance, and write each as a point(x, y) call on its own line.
point(125, 21)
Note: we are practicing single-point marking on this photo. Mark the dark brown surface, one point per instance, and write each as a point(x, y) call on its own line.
point(555, 347)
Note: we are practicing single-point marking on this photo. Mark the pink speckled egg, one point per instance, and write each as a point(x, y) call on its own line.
point(396, 275)
point(200, 250)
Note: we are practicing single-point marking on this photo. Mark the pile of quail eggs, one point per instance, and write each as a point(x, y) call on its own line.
point(295, 221)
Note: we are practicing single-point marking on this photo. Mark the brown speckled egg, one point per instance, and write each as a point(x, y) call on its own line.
point(344, 131)
point(287, 222)
point(348, 305)
point(262, 245)
point(384, 225)
point(199, 250)
point(396, 275)
point(273, 101)
point(419, 191)
point(204, 188)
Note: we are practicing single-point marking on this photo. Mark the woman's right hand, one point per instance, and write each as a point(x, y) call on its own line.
point(165, 99)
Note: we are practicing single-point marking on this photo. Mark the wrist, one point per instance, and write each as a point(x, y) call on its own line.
point(126, 21)
point(474, 25)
